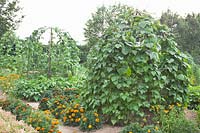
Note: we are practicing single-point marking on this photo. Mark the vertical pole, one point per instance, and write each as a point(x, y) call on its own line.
point(49, 53)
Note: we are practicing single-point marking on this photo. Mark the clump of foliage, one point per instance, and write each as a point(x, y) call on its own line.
point(90, 121)
point(60, 96)
point(34, 89)
point(134, 64)
point(11, 49)
point(43, 122)
point(175, 122)
point(186, 30)
point(7, 82)
point(194, 97)
point(17, 107)
point(137, 128)
point(10, 17)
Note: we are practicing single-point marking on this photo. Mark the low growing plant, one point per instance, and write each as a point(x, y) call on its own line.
point(17, 107)
point(137, 128)
point(43, 122)
point(175, 122)
point(72, 115)
point(34, 89)
point(193, 97)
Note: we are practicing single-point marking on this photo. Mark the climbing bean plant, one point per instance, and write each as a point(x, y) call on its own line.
point(59, 56)
point(134, 65)
point(11, 48)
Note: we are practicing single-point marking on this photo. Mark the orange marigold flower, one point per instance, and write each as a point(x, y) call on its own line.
point(81, 110)
point(37, 128)
point(97, 120)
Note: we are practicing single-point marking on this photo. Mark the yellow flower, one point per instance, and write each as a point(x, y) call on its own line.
point(37, 128)
point(84, 119)
point(166, 111)
point(76, 106)
point(42, 129)
point(77, 119)
point(130, 132)
point(97, 120)
point(96, 114)
point(81, 110)
point(156, 128)
point(73, 114)
point(171, 106)
point(149, 131)
point(89, 126)
point(178, 104)
point(145, 120)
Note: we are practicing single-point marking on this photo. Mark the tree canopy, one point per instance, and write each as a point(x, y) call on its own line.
point(9, 15)
point(186, 30)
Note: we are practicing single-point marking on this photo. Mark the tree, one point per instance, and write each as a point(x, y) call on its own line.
point(186, 30)
point(9, 17)
point(133, 66)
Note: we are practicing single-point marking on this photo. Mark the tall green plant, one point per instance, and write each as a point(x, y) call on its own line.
point(11, 48)
point(60, 56)
point(135, 64)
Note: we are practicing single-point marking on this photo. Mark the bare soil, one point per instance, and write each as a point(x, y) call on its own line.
point(190, 114)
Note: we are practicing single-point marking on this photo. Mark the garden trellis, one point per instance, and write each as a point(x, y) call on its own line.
point(59, 57)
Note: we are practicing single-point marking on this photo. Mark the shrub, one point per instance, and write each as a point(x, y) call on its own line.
point(90, 121)
point(137, 128)
point(43, 121)
point(193, 97)
point(133, 65)
point(34, 89)
point(175, 122)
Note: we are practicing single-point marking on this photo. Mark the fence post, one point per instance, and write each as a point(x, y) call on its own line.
point(49, 53)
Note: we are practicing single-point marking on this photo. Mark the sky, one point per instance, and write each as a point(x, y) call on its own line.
point(71, 15)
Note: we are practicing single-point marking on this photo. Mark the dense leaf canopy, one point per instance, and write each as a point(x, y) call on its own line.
point(133, 65)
